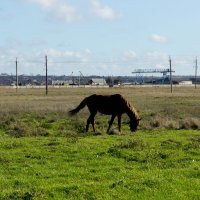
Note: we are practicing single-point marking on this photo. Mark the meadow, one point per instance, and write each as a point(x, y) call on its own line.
point(45, 154)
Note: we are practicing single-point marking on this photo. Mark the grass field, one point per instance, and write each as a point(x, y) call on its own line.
point(45, 154)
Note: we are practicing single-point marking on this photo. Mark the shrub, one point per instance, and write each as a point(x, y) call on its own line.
point(6, 119)
point(155, 124)
point(17, 129)
point(189, 123)
point(39, 132)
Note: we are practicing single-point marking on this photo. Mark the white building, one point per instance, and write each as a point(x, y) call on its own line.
point(185, 83)
point(97, 81)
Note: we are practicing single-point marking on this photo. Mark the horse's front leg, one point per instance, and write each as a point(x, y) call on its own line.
point(111, 122)
point(119, 122)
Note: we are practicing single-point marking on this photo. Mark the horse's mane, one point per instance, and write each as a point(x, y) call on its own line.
point(131, 108)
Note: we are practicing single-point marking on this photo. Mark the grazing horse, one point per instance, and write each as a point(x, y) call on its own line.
point(114, 105)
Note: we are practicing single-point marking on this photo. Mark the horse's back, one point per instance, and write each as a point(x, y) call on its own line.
point(106, 104)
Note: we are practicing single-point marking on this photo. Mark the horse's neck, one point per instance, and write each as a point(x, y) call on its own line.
point(130, 113)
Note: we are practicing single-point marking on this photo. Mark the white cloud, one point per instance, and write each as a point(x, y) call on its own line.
point(6, 16)
point(58, 8)
point(129, 54)
point(158, 38)
point(66, 61)
point(66, 12)
point(81, 56)
point(157, 60)
point(59, 62)
point(155, 55)
point(104, 12)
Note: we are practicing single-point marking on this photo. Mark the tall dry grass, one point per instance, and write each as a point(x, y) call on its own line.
point(156, 105)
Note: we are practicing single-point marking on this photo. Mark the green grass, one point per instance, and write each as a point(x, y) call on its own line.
point(147, 165)
point(45, 154)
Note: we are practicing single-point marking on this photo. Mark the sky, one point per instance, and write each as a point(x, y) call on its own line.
point(99, 37)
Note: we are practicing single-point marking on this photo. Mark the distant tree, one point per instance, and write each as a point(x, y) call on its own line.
point(117, 80)
point(109, 80)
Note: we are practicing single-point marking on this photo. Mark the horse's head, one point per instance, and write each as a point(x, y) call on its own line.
point(134, 124)
point(134, 117)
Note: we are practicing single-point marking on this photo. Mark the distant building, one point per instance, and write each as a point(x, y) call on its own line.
point(4, 74)
point(97, 81)
point(185, 83)
point(60, 82)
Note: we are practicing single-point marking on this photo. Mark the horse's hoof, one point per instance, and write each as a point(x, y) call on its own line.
point(114, 132)
point(97, 133)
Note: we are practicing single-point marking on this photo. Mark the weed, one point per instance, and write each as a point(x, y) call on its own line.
point(132, 144)
point(191, 145)
point(116, 183)
point(6, 119)
point(78, 125)
point(14, 144)
point(4, 160)
point(53, 143)
point(70, 190)
point(171, 144)
point(72, 140)
point(39, 131)
point(21, 195)
point(89, 196)
point(113, 151)
point(133, 158)
point(150, 183)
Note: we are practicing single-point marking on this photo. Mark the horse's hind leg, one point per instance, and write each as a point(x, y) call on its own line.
point(119, 122)
point(88, 123)
point(90, 120)
point(111, 122)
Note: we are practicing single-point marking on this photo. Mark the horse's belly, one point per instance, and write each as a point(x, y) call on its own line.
point(107, 110)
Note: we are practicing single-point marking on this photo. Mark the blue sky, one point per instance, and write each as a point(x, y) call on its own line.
point(99, 37)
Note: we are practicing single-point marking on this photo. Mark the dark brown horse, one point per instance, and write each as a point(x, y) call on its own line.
point(114, 105)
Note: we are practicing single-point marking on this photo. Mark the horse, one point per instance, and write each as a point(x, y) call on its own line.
point(114, 105)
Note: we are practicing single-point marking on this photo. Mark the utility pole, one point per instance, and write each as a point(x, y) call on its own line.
point(170, 65)
point(196, 66)
point(46, 76)
point(79, 79)
point(16, 63)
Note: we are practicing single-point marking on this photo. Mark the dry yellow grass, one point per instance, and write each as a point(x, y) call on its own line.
point(156, 105)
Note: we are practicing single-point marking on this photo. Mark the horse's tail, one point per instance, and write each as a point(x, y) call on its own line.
point(79, 107)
